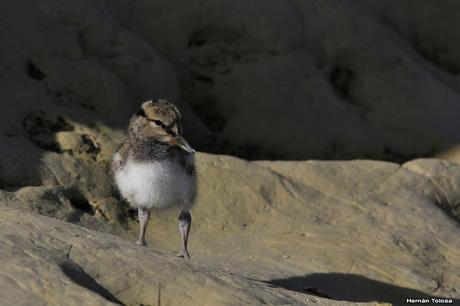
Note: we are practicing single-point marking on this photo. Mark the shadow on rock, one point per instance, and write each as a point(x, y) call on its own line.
point(352, 288)
point(83, 279)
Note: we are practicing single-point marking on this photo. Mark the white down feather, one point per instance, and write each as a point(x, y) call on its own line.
point(155, 184)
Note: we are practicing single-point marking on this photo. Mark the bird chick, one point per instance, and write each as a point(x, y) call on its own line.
point(154, 167)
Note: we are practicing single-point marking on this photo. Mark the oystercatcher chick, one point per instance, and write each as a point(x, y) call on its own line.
point(154, 167)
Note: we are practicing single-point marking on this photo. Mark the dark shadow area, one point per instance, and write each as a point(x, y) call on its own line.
point(352, 288)
point(81, 278)
point(34, 72)
point(78, 201)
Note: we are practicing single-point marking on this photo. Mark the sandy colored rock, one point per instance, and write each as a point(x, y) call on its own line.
point(49, 262)
point(290, 79)
point(85, 181)
point(341, 220)
point(61, 203)
point(452, 155)
point(356, 232)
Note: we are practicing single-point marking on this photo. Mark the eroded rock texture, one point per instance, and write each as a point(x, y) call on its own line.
point(261, 79)
point(258, 79)
point(358, 231)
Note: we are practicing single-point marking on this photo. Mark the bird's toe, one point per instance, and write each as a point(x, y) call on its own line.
point(184, 254)
point(142, 243)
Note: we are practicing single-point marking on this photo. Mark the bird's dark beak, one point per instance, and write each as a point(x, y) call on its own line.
point(183, 144)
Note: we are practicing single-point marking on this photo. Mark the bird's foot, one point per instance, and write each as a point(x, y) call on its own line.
point(184, 254)
point(142, 243)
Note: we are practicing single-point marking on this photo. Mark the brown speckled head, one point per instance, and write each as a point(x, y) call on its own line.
point(164, 111)
point(158, 120)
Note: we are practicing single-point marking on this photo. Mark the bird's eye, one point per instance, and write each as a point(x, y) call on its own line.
point(159, 123)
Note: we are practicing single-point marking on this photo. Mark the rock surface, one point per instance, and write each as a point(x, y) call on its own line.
point(49, 262)
point(263, 232)
point(289, 79)
point(261, 79)
point(303, 79)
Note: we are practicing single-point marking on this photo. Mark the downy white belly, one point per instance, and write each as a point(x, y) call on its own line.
point(156, 184)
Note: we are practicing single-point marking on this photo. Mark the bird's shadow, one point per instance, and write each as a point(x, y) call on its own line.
point(351, 288)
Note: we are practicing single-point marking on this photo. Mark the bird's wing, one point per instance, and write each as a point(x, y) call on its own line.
point(120, 156)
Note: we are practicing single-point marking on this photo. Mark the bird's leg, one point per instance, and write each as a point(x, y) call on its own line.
point(144, 214)
point(185, 221)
